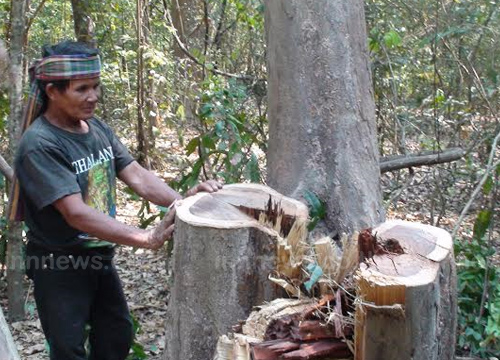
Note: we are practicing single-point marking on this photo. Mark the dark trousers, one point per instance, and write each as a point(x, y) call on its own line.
point(76, 289)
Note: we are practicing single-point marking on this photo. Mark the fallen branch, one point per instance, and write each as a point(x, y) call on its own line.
point(398, 162)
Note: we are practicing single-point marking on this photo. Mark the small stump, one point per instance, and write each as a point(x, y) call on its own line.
point(408, 300)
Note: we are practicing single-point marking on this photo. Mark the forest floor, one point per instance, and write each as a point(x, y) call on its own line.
point(144, 273)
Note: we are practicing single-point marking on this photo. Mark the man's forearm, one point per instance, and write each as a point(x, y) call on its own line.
point(156, 190)
point(86, 219)
point(107, 228)
point(148, 185)
point(152, 188)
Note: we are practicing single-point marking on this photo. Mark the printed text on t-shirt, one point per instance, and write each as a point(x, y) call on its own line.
point(85, 164)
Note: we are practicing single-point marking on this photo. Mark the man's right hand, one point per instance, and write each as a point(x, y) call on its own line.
point(162, 232)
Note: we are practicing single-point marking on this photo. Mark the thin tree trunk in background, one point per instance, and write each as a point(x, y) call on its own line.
point(178, 19)
point(149, 102)
point(322, 132)
point(152, 111)
point(29, 23)
point(15, 246)
point(84, 26)
point(186, 15)
point(142, 145)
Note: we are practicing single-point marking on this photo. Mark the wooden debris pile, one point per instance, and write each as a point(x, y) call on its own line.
point(293, 329)
point(403, 280)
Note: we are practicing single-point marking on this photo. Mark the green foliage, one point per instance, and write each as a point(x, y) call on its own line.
point(478, 282)
point(137, 349)
point(425, 79)
point(228, 145)
point(317, 209)
point(392, 39)
point(4, 110)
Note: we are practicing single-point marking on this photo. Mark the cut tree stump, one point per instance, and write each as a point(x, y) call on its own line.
point(8, 350)
point(226, 245)
point(408, 301)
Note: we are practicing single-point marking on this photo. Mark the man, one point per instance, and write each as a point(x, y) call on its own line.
point(66, 166)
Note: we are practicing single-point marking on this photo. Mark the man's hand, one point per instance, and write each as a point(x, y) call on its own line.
point(162, 232)
point(207, 186)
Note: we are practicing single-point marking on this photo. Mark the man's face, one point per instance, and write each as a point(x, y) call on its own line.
point(78, 101)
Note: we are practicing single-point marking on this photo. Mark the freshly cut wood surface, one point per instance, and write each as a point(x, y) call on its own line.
point(408, 306)
point(226, 245)
point(229, 207)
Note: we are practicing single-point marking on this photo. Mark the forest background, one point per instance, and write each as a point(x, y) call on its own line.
point(197, 69)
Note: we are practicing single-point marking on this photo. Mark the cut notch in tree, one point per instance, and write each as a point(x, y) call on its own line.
point(408, 300)
point(226, 245)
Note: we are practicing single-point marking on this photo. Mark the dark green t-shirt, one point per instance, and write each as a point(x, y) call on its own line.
point(52, 163)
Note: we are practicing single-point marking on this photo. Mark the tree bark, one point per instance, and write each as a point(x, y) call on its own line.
point(408, 308)
point(322, 133)
point(8, 350)
point(15, 247)
point(84, 26)
point(150, 105)
point(226, 245)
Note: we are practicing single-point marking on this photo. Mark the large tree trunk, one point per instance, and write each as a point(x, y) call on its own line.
point(322, 134)
point(15, 253)
point(8, 349)
point(226, 245)
point(408, 292)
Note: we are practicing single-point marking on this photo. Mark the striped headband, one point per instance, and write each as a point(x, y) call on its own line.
point(51, 68)
point(67, 67)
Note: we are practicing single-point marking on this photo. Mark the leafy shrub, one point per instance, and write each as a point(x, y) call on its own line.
point(231, 135)
point(478, 293)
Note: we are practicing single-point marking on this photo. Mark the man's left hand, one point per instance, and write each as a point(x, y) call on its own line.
point(209, 186)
